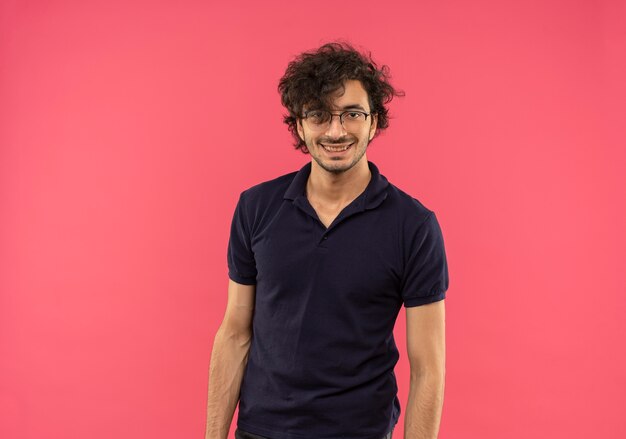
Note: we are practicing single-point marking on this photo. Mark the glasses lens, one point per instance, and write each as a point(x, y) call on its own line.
point(318, 118)
point(353, 119)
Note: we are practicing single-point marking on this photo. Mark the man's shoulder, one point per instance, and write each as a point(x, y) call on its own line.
point(408, 205)
point(269, 188)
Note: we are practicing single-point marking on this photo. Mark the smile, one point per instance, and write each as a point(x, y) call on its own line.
point(336, 148)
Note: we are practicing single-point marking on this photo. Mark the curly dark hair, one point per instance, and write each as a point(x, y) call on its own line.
point(312, 78)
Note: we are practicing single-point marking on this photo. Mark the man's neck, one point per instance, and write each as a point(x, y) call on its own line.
point(338, 189)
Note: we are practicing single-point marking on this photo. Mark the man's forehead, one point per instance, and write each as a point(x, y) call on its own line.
point(352, 106)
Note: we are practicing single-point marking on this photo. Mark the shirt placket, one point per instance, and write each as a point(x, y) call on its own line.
point(324, 234)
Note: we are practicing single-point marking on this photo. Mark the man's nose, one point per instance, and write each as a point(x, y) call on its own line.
point(335, 128)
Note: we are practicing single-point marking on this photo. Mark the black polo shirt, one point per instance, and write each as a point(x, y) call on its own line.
point(322, 355)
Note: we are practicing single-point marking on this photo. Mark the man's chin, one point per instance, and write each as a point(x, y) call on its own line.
point(335, 168)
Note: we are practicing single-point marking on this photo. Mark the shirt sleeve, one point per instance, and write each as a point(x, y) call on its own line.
point(241, 262)
point(425, 278)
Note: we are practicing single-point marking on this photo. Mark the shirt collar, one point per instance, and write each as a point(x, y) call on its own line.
point(374, 194)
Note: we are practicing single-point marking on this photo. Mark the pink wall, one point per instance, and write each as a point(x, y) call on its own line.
point(128, 130)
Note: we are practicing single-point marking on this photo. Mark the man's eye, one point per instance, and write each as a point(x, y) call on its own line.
point(316, 116)
point(353, 115)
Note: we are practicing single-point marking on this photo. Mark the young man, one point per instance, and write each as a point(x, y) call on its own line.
point(320, 263)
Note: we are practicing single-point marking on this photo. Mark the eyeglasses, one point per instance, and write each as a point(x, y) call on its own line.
point(320, 120)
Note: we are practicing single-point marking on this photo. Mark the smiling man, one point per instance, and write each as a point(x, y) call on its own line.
point(320, 263)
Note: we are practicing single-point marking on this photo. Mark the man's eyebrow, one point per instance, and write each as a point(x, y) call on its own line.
point(352, 107)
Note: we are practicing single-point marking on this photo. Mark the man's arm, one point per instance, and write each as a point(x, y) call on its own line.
point(425, 337)
point(229, 359)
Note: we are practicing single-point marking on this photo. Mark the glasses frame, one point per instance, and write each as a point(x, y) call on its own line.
point(340, 115)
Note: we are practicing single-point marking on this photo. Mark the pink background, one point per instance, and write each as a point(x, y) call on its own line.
point(128, 130)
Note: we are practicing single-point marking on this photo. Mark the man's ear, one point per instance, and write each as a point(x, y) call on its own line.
point(300, 129)
point(374, 125)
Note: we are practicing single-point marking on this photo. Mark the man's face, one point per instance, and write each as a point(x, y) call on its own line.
point(335, 135)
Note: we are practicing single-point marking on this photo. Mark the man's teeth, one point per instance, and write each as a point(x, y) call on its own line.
point(336, 148)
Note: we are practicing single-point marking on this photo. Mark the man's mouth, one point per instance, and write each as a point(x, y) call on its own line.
point(336, 148)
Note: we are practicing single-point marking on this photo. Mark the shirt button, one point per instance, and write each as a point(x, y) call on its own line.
point(325, 237)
